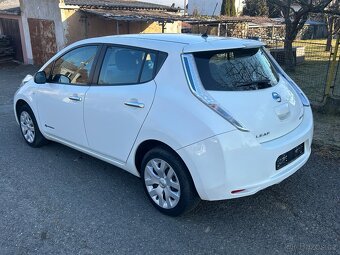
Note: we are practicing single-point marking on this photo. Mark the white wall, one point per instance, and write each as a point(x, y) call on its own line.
point(239, 5)
point(206, 7)
point(178, 3)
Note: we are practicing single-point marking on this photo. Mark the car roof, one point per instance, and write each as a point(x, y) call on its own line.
point(172, 38)
point(177, 42)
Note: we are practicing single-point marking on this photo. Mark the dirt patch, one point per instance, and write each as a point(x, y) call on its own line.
point(326, 130)
point(326, 151)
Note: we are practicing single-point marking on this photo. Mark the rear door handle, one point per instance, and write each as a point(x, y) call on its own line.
point(74, 98)
point(134, 104)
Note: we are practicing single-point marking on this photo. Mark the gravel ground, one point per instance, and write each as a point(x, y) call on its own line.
point(55, 200)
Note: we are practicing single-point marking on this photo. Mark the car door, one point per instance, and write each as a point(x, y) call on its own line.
point(61, 99)
point(117, 106)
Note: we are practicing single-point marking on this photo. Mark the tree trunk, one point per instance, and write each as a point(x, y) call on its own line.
point(289, 60)
point(289, 55)
point(330, 33)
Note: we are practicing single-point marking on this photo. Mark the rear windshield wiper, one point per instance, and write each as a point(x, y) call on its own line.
point(250, 83)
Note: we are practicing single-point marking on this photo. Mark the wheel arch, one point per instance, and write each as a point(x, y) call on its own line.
point(147, 145)
point(19, 103)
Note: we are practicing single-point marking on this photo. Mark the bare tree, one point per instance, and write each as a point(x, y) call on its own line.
point(295, 14)
point(333, 22)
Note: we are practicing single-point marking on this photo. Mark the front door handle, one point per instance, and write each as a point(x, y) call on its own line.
point(134, 104)
point(74, 98)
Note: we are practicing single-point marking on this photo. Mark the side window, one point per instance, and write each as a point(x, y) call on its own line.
point(160, 60)
point(126, 66)
point(75, 66)
point(148, 68)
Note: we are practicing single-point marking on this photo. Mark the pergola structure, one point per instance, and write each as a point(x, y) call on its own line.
point(163, 17)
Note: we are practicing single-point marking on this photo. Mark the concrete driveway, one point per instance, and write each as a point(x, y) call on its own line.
point(55, 200)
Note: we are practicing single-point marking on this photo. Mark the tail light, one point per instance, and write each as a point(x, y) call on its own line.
point(198, 90)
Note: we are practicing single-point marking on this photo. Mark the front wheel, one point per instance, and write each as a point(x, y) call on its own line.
point(167, 182)
point(29, 127)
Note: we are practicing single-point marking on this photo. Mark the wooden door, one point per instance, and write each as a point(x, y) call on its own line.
point(43, 39)
point(10, 27)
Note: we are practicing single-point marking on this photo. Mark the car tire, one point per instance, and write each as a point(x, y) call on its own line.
point(29, 127)
point(167, 182)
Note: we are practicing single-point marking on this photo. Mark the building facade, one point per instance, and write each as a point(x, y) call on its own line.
point(43, 27)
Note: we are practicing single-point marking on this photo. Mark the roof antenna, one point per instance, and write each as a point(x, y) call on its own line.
point(205, 35)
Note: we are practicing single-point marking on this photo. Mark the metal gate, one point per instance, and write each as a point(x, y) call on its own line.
point(43, 39)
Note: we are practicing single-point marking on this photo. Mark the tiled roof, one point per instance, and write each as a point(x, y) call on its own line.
point(10, 7)
point(157, 15)
point(211, 20)
point(118, 5)
point(135, 15)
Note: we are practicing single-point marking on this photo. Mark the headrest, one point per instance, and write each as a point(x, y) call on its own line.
point(125, 60)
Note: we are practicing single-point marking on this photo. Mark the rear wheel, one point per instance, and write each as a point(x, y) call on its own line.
point(29, 127)
point(167, 182)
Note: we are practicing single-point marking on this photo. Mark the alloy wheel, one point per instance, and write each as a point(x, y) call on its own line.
point(27, 126)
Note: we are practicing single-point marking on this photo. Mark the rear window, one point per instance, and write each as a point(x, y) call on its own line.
point(234, 70)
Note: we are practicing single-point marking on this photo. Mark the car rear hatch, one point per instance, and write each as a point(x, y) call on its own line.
point(243, 82)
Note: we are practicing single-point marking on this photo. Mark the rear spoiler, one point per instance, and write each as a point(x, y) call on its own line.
point(222, 44)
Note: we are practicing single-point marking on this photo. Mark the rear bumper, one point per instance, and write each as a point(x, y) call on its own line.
point(237, 161)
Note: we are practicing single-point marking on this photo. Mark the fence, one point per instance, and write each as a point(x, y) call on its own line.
point(312, 63)
point(335, 92)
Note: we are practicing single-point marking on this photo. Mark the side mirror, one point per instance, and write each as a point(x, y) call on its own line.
point(40, 77)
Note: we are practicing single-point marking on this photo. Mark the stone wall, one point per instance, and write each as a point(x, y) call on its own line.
point(278, 31)
point(230, 30)
point(267, 32)
point(244, 30)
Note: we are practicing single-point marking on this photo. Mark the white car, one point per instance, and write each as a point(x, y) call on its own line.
point(195, 117)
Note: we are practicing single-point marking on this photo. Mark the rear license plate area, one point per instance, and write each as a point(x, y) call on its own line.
point(288, 157)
